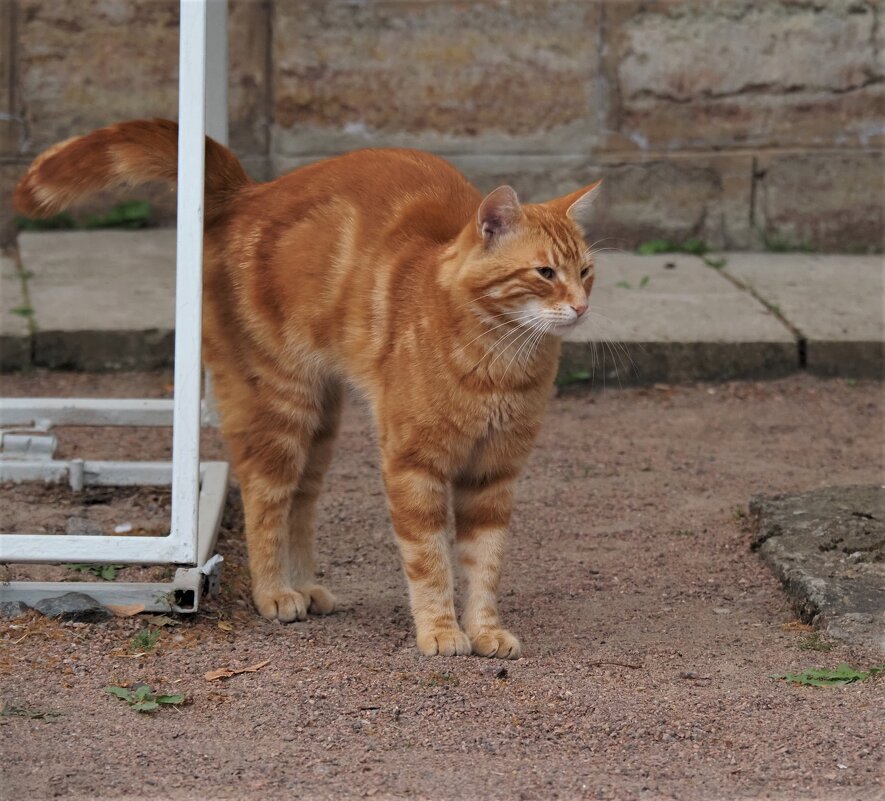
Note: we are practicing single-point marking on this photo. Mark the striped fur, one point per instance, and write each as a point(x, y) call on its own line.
point(388, 271)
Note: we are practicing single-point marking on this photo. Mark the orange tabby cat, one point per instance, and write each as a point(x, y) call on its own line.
point(387, 270)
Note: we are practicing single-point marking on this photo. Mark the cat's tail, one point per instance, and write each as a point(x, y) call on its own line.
point(129, 153)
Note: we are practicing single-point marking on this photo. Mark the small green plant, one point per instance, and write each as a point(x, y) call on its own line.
point(644, 282)
point(739, 513)
point(145, 640)
point(823, 677)
point(130, 214)
point(778, 244)
point(141, 699)
point(574, 377)
point(22, 311)
point(624, 285)
point(684, 532)
point(59, 222)
point(695, 247)
point(105, 572)
point(814, 642)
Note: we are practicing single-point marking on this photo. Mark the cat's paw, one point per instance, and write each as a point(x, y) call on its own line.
point(443, 642)
point(498, 643)
point(320, 600)
point(284, 605)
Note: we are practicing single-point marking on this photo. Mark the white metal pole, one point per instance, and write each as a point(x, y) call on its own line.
point(189, 275)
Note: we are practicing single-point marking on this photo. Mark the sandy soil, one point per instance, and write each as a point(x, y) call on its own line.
point(649, 632)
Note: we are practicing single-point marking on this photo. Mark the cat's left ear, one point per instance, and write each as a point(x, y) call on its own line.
point(498, 214)
point(577, 204)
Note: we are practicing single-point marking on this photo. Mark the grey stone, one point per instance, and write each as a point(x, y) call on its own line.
point(82, 525)
point(672, 318)
point(828, 548)
point(102, 299)
point(834, 302)
point(12, 609)
point(73, 606)
point(15, 334)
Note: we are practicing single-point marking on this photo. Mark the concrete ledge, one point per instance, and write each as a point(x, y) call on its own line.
point(104, 300)
point(15, 332)
point(625, 363)
point(833, 302)
point(147, 349)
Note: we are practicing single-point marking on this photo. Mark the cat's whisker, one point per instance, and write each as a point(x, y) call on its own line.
point(530, 329)
point(531, 346)
point(493, 348)
point(489, 331)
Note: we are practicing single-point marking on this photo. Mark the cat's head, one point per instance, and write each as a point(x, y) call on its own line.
point(529, 263)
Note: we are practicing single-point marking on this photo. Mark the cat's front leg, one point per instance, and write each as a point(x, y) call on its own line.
point(482, 512)
point(418, 507)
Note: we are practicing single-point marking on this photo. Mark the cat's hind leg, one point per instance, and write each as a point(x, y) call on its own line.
point(269, 424)
point(302, 558)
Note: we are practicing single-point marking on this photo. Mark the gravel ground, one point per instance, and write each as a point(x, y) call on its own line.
point(649, 631)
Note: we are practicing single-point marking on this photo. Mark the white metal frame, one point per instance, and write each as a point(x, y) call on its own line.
point(202, 103)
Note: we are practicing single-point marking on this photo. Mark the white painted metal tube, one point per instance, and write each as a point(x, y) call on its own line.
point(189, 273)
point(85, 412)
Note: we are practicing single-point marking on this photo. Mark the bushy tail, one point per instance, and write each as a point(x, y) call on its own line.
point(129, 153)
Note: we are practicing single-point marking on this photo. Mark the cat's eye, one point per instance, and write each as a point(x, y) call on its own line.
point(547, 272)
point(585, 272)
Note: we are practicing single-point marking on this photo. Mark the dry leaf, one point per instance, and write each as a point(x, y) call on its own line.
point(796, 625)
point(125, 610)
point(225, 626)
point(226, 673)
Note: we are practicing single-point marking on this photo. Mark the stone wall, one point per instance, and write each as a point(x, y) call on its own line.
point(746, 123)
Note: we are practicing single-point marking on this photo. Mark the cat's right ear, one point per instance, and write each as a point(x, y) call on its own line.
point(498, 214)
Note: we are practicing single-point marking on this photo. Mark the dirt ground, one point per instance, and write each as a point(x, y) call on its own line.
point(649, 628)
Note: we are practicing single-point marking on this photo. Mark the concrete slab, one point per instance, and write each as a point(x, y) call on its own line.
point(834, 302)
point(102, 299)
point(15, 331)
point(678, 320)
point(826, 546)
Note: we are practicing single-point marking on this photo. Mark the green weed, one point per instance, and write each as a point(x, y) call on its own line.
point(142, 699)
point(105, 572)
point(145, 640)
point(573, 377)
point(129, 214)
point(823, 677)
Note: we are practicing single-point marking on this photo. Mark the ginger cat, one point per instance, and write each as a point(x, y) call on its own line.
point(386, 270)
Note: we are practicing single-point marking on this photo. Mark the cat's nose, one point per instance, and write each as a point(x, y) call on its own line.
point(579, 310)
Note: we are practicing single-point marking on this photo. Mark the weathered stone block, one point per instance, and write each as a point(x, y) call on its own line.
point(9, 175)
point(827, 546)
point(15, 332)
point(83, 64)
point(497, 75)
point(829, 201)
point(10, 122)
point(714, 74)
point(674, 198)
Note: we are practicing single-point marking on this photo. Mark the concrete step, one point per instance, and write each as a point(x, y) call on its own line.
point(104, 300)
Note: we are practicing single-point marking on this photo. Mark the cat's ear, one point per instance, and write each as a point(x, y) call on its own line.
point(498, 213)
point(577, 204)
